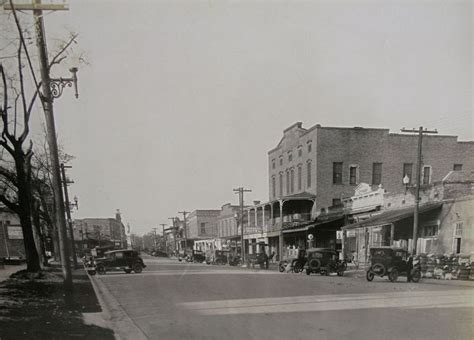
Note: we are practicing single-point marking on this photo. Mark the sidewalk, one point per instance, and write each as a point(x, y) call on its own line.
point(7, 270)
point(40, 309)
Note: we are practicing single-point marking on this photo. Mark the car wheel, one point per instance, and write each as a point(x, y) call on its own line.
point(137, 268)
point(101, 269)
point(127, 270)
point(378, 269)
point(308, 271)
point(393, 275)
point(340, 272)
point(297, 267)
point(314, 264)
point(91, 272)
point(416, 275)
point(370, 275)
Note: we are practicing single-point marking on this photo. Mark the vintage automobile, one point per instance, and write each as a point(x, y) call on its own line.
point(197, 256)
point(294, 260)
point(235, 260)
point(124, 259)
point(392, 262)
point(324, 261)
point(217, 257)
point(260, 259)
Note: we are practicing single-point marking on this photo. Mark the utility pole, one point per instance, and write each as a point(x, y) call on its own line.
point(241, 191)
point(163, 231)
point(185, 230)
point(47, 97)
point(68, 213)
point(174, 232)
point(154, 239)
point(419, 161)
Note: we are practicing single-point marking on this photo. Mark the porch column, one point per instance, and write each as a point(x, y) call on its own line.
point(256, 216)
point(263, 217)
point(392, 233)
point(280, 243)
point(248, 213)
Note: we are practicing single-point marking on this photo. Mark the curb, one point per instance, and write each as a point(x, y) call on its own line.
point(114, 315)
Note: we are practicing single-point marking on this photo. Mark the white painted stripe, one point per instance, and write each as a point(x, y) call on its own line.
point(181, 272)
point(422, 299)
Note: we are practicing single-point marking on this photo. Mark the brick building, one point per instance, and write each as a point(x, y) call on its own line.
point(92, 232)
point(311, 170)
point(446, 219)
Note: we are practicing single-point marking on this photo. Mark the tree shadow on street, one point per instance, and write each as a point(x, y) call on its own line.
point(39, 308)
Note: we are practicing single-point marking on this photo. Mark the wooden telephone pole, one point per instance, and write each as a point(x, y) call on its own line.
point(241, 191)
point(68, 213)
point(185, 230)
point(47, 98)
point(163, 233)
point(419, 161)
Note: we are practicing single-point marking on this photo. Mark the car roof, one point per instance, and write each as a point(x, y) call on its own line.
point(117, 251)
point(388, 247)
point(327, 250)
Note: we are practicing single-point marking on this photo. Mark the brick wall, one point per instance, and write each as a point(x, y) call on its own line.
point(208, 217)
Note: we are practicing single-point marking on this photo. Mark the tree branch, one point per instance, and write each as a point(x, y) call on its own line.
point(58, 57)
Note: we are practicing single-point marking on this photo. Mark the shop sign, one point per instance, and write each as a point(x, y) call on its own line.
point(339, 234)
point(351, 233)
point(15, 233)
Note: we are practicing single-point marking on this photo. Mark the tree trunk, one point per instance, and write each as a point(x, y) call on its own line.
point(37, 234)
point(24, 213)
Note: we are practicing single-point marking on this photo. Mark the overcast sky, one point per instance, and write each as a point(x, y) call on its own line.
point(183, 99)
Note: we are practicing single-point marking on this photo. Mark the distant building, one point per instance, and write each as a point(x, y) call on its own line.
point(93, 232)
point(200, 225)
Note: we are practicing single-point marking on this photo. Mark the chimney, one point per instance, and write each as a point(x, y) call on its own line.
point(117, 216)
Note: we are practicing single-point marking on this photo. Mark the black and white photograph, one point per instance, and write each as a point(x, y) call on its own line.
point(237, 169)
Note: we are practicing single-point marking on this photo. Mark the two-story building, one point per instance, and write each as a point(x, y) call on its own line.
point(200, 225)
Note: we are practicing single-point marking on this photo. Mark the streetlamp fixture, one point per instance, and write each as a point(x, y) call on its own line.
point(57, 85)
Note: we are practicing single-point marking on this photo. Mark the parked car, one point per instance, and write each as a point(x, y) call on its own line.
point(235, 260)
point(296, 258)
point(126, 260)
point(392, 262)
point(323, 261)
point(217, 257)
point(197, 256)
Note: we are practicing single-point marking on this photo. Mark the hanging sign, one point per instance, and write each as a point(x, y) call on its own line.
point(15, 233)
point(310, 236)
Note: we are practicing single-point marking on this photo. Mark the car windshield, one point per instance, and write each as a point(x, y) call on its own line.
point(381, 252)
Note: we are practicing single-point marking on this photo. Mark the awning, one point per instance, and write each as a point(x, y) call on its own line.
point(391, 216)
point(295, 230)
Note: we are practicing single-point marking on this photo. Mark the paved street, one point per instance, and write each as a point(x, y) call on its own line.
point(172, 300)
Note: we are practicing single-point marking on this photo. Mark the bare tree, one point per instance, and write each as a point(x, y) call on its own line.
point(16, 182)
